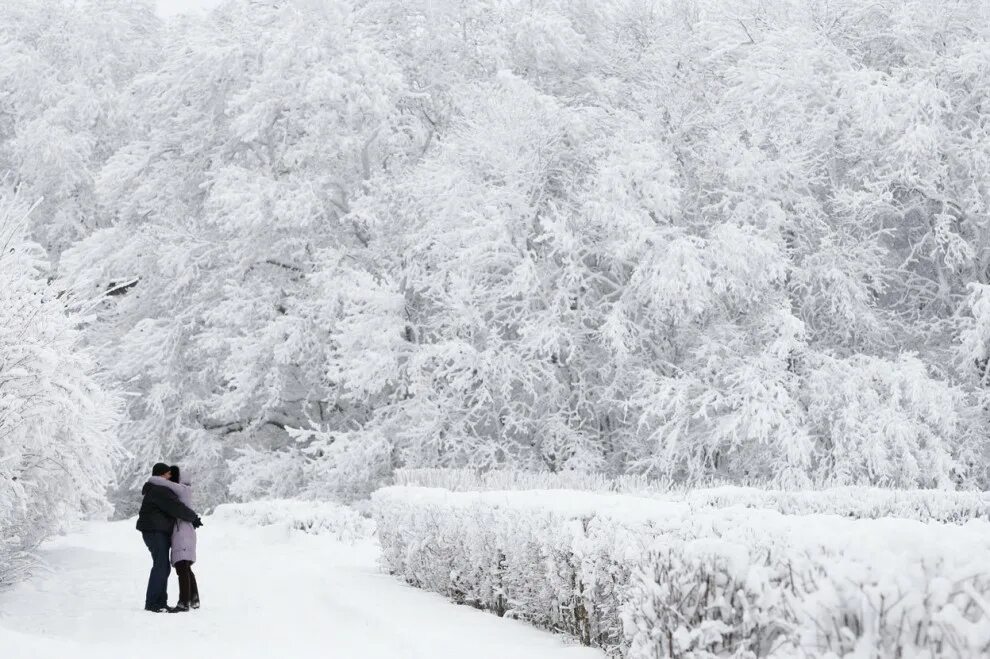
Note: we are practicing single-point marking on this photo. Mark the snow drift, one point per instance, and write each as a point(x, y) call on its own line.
point(313, 517)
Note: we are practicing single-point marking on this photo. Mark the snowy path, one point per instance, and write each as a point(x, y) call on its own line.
point(267, 592)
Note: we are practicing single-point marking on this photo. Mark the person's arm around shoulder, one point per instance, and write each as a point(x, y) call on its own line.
point(168, 501)
point(188, 498)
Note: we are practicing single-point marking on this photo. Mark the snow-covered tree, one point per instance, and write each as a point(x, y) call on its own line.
point(651, 262)
point(56, 417)
point(699, 240)
point(257, 128)
point(63, 65)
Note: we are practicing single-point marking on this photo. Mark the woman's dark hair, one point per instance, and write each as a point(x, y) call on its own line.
point(175, 473)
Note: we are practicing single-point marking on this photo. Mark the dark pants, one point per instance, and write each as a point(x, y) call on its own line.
point(158, 544)
point(188, 590)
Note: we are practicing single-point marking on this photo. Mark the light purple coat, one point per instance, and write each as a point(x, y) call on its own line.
point(183, 535)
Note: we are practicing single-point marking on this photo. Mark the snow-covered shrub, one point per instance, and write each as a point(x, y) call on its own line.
point(56, 440)
point(472, 480)
point(314, 517)
point(854, 501)
point(883, 422)
point(739, 582)
point(649, 579)
point(560, 566)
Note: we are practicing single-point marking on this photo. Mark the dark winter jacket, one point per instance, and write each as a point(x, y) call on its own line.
point(160, 508)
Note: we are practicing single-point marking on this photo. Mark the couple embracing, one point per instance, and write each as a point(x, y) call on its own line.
point(168, 524)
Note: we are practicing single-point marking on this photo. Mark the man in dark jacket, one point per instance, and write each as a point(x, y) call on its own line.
point(159, 510)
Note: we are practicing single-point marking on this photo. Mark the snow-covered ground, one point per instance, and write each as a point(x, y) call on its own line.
point(267, 592)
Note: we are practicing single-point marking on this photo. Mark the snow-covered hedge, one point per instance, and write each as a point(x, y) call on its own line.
point(315, 517)
point(560, 566)
point(473, 480)
point(647, 579)
point(856, 502)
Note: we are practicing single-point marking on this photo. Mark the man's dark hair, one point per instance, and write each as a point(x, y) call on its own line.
point(159, 469)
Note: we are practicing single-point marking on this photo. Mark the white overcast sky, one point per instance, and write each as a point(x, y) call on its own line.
point(172, 7)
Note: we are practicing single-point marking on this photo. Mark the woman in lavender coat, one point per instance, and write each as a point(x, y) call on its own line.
point(183, 545)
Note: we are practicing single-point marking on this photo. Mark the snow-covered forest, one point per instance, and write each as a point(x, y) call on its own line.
point(309, 242)
point(452, 248)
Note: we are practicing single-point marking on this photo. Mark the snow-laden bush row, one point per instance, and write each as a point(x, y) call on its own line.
point(315, 517)
point(856, 502)
point(647, 579)
point(475, 480)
